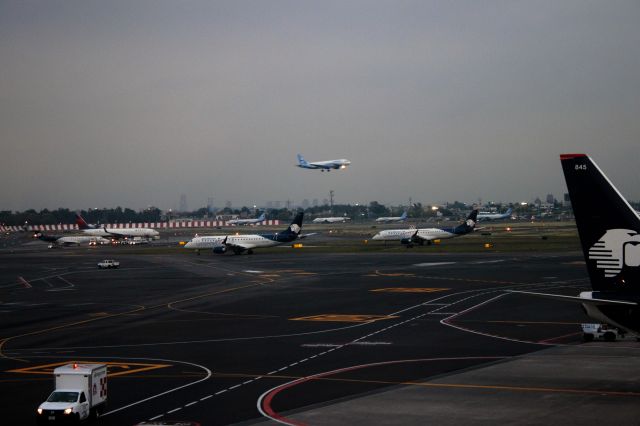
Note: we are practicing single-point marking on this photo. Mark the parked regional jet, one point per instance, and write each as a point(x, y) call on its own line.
point(323, 165)
point(609, 230)
point(409, 237)
point(241, 243)
point(336, 219)
point(495, 216)
point(393, 218)
point(115, 233)
point(70, 240)
point(259, 219)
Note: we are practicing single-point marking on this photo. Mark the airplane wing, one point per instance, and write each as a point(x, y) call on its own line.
point(576, 299)
point(236, 245)
point(322, 166)
point(416, 238)
point(307, 235)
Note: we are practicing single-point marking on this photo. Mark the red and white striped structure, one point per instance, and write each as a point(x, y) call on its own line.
point(154, 225)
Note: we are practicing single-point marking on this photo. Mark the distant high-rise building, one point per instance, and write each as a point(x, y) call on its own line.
point(550, 199)
point(269, 204)
point(315, 202)
point(305, 203)
point(278, 204)
point(183, 202)
point(227, 204)
point(567, 200)
point(210, 208)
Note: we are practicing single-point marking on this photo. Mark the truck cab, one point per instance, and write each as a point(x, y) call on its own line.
point(64, 405)
point(81, 393)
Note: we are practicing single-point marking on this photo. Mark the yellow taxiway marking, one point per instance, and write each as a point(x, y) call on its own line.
point(344, 318)
point(3, 341)
point(408, 290)
point(112, 367)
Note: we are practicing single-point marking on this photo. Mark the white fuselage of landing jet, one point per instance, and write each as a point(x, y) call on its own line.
point(426, 234)
point(327, 165)
point(331, 219)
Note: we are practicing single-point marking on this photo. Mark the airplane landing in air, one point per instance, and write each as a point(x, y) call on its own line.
point(323, 165)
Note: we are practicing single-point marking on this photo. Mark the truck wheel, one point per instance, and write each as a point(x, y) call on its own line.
point(587, 337)
point(609, 336)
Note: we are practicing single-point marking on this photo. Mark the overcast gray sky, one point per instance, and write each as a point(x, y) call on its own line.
point(131, 103)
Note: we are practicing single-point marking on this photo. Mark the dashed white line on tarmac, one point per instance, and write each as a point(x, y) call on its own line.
point(206, 397)
point(174, 410)
point(220, 392)
point(190, 404)
point(433, 263)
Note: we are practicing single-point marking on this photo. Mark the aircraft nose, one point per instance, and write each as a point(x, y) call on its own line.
point(376, 237)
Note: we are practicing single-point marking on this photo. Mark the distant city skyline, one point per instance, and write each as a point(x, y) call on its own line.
point(131, 104)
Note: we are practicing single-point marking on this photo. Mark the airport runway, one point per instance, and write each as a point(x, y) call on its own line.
point(287, 335)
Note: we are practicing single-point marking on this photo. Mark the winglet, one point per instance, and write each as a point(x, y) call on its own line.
point(571, 156)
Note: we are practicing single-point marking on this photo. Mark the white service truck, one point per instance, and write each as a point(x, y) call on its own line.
point(81, 393)
point(108, 263)
point(601, 331)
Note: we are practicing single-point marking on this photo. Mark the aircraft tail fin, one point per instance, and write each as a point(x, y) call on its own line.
point(262, 217)
point(82, 224)
point(509, 211)
point(609, 228)
point(404, 215)
point(296, 224)
point(302, 161)
point(468, 225)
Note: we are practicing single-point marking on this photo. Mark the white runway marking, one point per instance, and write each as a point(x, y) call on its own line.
point(433, 264)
